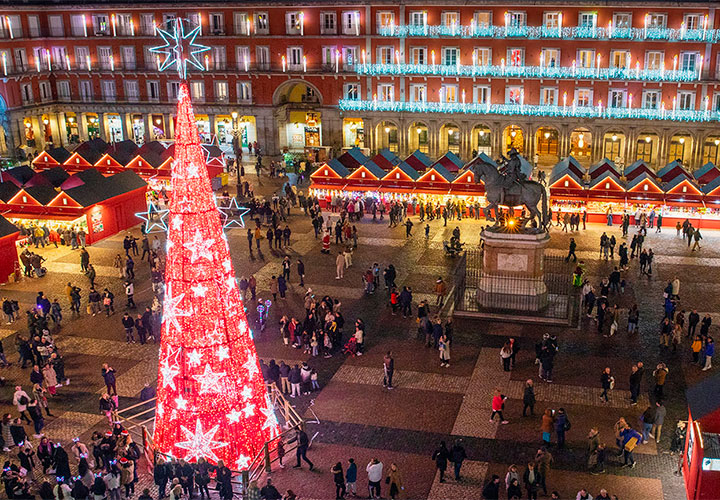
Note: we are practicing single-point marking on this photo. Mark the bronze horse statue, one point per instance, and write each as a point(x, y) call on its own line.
point(519, 192)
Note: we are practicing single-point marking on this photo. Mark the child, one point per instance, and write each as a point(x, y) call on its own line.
point(314, 345)
point(314, 380)
point(280, 452)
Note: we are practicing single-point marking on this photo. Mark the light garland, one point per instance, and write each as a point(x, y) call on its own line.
point(574, 111)
point(556, 72)
point(540, 32)
point(211, 400)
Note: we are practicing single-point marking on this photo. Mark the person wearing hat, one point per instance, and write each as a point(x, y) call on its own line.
point(127, 476)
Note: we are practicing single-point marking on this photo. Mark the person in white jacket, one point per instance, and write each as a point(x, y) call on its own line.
point(21, 400)
point(375, 473)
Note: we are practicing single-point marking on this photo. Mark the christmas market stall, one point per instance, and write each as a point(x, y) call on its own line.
point(701, 457)
point(567, 186)
point(9, 266)
point(707, 173)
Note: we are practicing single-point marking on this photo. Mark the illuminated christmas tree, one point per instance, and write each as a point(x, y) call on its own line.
point(211, 397)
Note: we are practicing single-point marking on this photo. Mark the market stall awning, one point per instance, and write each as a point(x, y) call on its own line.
point(352, 158)
point(566, 166)
point(672, 170)
point(449, 161)
point(418, 160)
point(602, 167)
point(368, 170)
point(637, 169)
point(330, 170)
point(706, 173)
point(396, 189)
point(77, 162)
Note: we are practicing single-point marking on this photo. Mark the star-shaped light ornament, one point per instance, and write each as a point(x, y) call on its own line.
point(181, 403)
point(209, 381)
point(199, 290)
point(232, 215)
point(223, 353)
point(199, 247)
point(251, 365)
point(249, 410)
point(169, 372)
point(242, 462)
point(234, 416)
point(270, 421)
point(180, 48)
point(154, 219)
point(246, 393)
point(194, 358)
point(171, 309)
point(200, 444)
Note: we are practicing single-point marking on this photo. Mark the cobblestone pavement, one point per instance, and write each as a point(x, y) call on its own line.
point(361, 419)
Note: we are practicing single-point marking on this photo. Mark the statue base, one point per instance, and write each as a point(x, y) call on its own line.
point(512, 274)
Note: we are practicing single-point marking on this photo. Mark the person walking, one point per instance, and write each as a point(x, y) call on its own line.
point(607, 382)
point(709, 352)
point(441, 456)
point(374, 471)
point(457, 457)
point(532, 480)
point(395, 480)
point(444, 348)
point(388, 370)
point(529, 398)
point(108, 374)
point(351, 477)
point(339, 266)
point(339, 479)
point(571, 251)
point(440, 291)
point(660, 374)
point(303, 443)
point(498, 403)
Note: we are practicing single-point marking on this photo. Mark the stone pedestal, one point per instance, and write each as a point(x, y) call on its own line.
point(512, 274)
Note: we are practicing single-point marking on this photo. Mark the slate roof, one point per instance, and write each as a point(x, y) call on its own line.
point(6, 227)
point(338, 168)
point(418, 160)
point(60, 155)
point(706, 173)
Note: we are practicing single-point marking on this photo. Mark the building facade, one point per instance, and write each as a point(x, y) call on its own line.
point(625, 81)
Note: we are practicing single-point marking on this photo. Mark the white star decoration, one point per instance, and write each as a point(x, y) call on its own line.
point(249, 410)
point(209, 380)
point(234, 416)
point(199, 247)
point(222, 353)
point(181, 403)
point(176, 223)
point(232, 215)
point(194, 358)
point(227, 265)
point(270, 421)
point(200, 443)
point(169, 372)
point(251, 364)
point(160, 409)
point(242, 462)
point(199, 290)
point(171, 311)
point(246, 393)
point(217, 336)
point(154, 219)
point(193, 171)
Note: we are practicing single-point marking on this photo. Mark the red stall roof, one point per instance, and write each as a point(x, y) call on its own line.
point(603, 166)
point(418, 160)
point(706, 173)
point(673, 170)
point(636, 169)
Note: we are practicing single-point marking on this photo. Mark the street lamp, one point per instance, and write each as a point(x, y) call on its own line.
point(614, 137)
point(387, 130)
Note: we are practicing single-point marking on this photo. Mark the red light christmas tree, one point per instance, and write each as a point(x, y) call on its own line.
point(211, 397)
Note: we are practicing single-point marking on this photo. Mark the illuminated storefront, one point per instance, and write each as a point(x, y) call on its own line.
point(114, 127)
point(353, 133)
point(138, 128)
point(71, 128)
point(93, 125)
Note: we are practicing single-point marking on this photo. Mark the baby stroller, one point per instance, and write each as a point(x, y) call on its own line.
point(351, 347)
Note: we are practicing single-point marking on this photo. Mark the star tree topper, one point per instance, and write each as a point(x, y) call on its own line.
point(180, 48)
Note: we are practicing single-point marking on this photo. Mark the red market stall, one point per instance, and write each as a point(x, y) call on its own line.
point(418, 160)
point(671, 171)
point(606, 196)
point(636, 169)
point(386, 159)
point(9, 266)
point(701, 457)
point(567, 186)
point(450, 162)
point(707, 173)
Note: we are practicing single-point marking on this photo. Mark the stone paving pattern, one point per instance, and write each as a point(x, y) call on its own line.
point(360, 419)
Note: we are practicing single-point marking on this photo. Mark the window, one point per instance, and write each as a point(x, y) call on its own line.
point(124, 25)
point(385, 55)
point(685, 99)
point(516, 19)
point(481, 94)
point(651, 99)
point(716, 102)
point(219, 59)
point(418, 18)
point(550, 58)
point(688, 60)
point(551, 19)
point(86, 90)
point(105, 57)
point(21, 61)
point(27, 93)
point(586, 58)
point(654, 59)
point(583, 97)
point(617, 98)
point(82, 57)
point(351, 91)
point(587, 20)
point(63, 89)
point(483, 19)
point(147, 24)
point(127, 57)
point(262, 23)
point(77, 25)
point(217, 23)
point(59, 57)
point(619, 59)
point(418, 92)
point(385, 19)
point(513, 94)
point(656, 20)
point(450, 19)
point(418, 55)
point(386, 91)
point(221, 91)
point(483, 56)
point(173, 89)
point(349, 57)
point(132, 90)
point(548, 96)
point(328, 23)
point(351, 22)
point(56, 26)
point(45, 91)
point(450, 56)
point(168, 19)
point(12, 25)
point(515, 57)
point(242, 55)
point(108, 90)
point(644, 150)
point(34, 26)
point(692, 21)
point(241, 23)
point(153, 90)
point(449, 92)
point(622, 20)
point(292, 23)
point(295, 58)
point(244, 92)
point(101, 24)
point(41, 58)
point(328, 57)
point(262, 56)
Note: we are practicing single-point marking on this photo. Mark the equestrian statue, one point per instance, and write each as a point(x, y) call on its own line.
point(511, 188)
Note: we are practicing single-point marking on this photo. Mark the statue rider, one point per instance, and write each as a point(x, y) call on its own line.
point(513, 173)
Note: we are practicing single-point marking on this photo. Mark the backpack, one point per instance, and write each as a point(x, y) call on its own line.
point(567, 424)
point(23, 400)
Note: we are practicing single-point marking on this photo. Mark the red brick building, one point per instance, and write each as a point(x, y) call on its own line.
point(626, 81)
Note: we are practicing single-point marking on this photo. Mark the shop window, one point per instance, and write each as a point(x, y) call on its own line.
point(711, 150)
point(677, 149)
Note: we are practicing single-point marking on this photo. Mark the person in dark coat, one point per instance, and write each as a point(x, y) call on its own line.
point(62, 464)
point(532, 479)
point(457, 456)
point(17, 431)
point(529, 398)
point(161, 475)
point(303, 443)
point(491, 491)
point(441, 456)
point(224, 481)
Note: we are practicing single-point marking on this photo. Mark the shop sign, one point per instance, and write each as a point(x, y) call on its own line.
point(312, 119)
point(97, 221)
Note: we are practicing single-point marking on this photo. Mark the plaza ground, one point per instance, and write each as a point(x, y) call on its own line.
point(360, 419)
